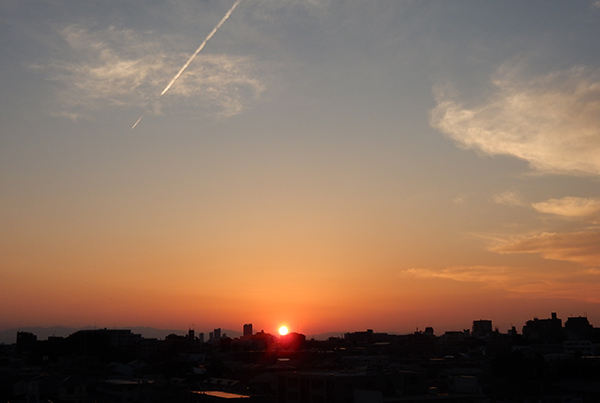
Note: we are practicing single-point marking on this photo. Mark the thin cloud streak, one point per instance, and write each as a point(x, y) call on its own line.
point(569, 207)
point(588, 291)
point(490, 275)
point(519, 283)
point(581, 247)
point(508, 198)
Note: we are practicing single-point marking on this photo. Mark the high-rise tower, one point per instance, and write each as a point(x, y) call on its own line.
point(248, 330)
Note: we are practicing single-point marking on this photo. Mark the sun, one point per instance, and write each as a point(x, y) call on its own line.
point(283, 330)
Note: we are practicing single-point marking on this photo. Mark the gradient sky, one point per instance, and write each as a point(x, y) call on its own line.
point(332, 165)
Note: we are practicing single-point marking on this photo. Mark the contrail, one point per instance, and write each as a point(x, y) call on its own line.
point(138, 121)
point(193, 56)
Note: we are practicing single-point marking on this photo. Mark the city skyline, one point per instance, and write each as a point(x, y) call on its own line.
point(246, 330)
point(548, 360)
point(317, 164)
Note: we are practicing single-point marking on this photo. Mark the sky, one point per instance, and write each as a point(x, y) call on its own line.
point(329, 165)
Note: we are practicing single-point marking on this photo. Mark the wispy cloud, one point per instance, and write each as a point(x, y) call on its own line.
point(460, 199)
point(582, 247)
point(508, 198)
point(551, 121)
point(582, 285)
point(222, 82)
point(570, 206)
point(114, 67)
point(490, 275)
point(560, 289)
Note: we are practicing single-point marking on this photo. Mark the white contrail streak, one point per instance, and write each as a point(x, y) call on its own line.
point(138, 121)
point(193, 56)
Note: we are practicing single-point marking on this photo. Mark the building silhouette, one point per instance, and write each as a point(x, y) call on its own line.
point(482, 328)
point(578, 328)
point(544, 330)
point(215, 335)
point(25, 340)
point(548, 364)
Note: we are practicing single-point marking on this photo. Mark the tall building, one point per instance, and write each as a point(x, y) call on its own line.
point(482, 328)
point(248, 330)
point(217, 333)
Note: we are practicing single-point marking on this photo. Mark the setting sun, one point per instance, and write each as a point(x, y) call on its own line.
point(283, 330)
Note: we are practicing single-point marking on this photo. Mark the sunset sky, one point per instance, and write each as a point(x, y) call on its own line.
point(329, 165)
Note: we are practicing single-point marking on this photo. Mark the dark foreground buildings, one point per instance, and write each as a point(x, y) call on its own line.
point(547, 363)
